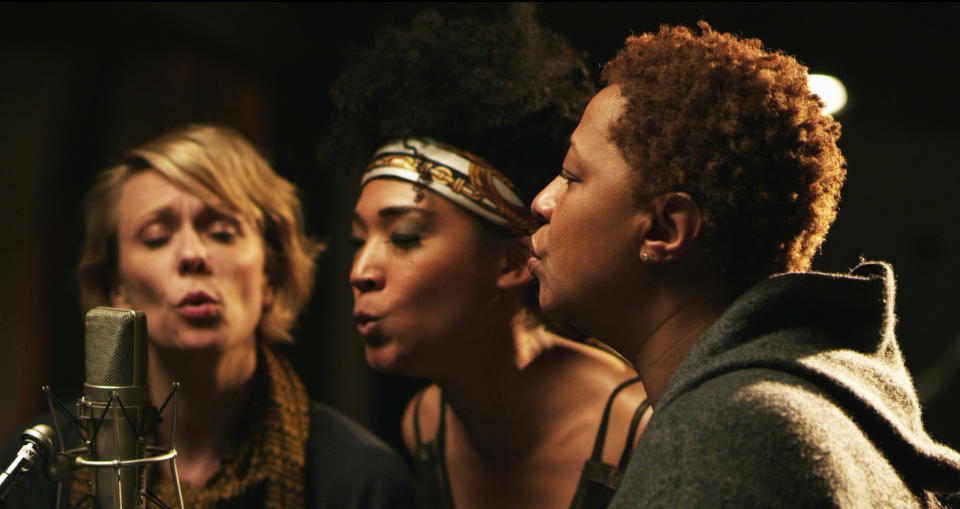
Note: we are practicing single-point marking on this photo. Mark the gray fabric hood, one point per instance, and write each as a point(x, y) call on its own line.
point(848, 349)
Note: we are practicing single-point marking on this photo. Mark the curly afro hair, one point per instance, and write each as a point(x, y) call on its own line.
point(734, 125)
point(494, 83)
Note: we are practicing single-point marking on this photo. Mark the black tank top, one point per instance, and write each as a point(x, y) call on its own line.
point(598, 480)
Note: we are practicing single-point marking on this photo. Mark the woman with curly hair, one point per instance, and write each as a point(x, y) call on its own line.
point(697, 188)
point(468, 115)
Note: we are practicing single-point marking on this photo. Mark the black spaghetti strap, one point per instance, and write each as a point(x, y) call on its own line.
point(632, 433)
point(600, 345)
point(441, 441)
point(433, 483)
point(416, 419)
point(442, 425)
point(602, 432)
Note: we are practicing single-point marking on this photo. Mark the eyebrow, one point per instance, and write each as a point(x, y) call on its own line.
point(169, 214)
point(395, 211)
point(165, 213)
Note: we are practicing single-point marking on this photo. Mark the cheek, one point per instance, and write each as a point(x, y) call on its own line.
point(246, 273)
point(597, 216)
point(445, 283)
point(591, 238)
point(418, 281)
point(141, 280)
point(571, 225)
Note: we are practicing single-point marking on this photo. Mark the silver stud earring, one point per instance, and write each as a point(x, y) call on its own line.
point(644, 257)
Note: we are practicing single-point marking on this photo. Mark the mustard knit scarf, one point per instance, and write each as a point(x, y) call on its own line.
point(262, 457)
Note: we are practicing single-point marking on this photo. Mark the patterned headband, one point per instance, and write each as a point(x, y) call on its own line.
point(459, 176)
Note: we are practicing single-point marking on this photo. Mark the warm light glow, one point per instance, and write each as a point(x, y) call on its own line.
point(830, 90)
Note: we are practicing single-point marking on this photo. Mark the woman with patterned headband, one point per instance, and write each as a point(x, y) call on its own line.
point(470, 115)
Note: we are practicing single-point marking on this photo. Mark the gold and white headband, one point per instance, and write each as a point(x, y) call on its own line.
point(459, 176)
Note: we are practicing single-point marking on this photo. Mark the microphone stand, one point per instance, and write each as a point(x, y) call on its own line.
point(74, 457)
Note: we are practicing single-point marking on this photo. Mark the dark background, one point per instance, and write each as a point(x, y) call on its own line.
point(79, 83)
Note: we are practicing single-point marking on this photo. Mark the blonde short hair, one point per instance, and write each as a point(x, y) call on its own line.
point(220, 166)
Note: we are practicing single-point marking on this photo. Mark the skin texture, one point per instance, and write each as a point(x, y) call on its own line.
point(172, 246)
point(412, 261)
point(523, 405)
point(589, 254)
point(588, 248)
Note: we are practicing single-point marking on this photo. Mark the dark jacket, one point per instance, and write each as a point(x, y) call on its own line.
point(346, 467)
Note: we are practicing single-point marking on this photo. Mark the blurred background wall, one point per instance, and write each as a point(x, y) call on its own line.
point(79, 83)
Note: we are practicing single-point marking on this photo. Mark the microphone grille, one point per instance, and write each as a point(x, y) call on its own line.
point(116, 348)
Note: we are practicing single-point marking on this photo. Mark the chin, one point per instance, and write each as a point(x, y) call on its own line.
point(559, 311)
point(194, 340)
point(548, 304)
point(384, 358)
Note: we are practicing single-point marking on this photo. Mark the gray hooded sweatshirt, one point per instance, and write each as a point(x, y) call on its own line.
point(797, 396)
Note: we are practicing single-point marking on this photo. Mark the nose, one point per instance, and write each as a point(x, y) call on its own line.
point(546, 201)
point(367, 274)
point(194, 256)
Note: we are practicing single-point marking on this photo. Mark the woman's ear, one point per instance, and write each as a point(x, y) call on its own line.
point(269, 295)
point(676, 223)
point(513, 269)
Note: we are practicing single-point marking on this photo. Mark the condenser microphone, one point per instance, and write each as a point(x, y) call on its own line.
point(37, 446)
point(116, 404)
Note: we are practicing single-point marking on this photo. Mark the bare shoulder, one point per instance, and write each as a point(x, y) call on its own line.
point(604, 365)
point(427, 416)
point(629, 412)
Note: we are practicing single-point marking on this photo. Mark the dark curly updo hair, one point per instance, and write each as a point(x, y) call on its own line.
point(494, 83)
point(734, 125)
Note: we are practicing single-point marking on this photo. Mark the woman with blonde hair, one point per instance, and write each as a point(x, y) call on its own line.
point(196, 230)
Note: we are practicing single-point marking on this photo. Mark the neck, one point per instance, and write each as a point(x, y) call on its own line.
point(215, 386)
point(675, 309)
point(513, 408)
point(667, 345)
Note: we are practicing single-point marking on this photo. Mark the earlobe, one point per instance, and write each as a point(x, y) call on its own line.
point(677, 223)
point(513, 270)
point(513, 278)
point(268, 295)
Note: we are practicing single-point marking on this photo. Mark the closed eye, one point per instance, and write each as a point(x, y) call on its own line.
point(155, 242)
point(568, 177)
point(156, 234)
point(223, 231)
point(405, 239)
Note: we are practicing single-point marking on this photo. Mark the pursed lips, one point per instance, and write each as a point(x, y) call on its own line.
point(198, 305)
point(369, 326)
point(533, 244)
point(196, 298)
point(363, 318)
point(537, 256)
